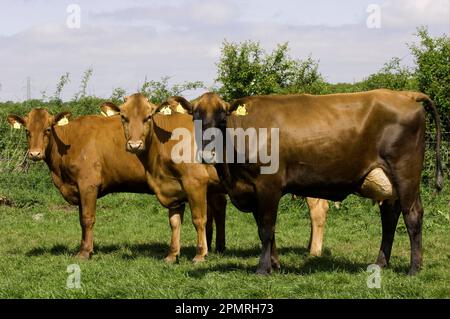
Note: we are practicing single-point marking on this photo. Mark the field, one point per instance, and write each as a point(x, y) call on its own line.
point(40, 233)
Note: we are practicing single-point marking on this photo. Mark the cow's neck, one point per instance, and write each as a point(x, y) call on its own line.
point(152, 147)
point(223, 169)
point(52, 155)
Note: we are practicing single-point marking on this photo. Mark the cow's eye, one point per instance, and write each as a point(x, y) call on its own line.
point(124, 119)
point(47, 130)
point(148, 118)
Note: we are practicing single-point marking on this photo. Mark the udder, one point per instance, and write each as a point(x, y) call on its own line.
point(377, 186)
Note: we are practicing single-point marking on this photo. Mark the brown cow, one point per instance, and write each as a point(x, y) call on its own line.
point(88, 160)
point(148, 133)
point(149, 136)
point(370, 143)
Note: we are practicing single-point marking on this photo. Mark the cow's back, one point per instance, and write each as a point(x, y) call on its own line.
point(95, 147)
point(341, 135)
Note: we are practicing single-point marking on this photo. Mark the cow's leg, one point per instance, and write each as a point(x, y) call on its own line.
point(87, 207)
point(196, 194)
point(274, 259)
point(175, 220)
point(267, 213)
point(217, 205)
point(413, 217)
point(406, 172)
point(209, 224)
point(318, 209)
point(390, 211)
point(274, 253)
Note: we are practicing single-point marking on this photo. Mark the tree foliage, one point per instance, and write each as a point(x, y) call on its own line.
point(246, 69)
point(82, 92)
point(159, 91)
point(63, 80)
point(432, 68)
point(392, 76)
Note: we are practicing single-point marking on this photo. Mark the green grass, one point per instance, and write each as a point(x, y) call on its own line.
point(132, 236)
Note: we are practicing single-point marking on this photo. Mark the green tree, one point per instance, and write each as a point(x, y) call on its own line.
point(392, 76)
point(432, 67)
point(159, 91)
point(118, 95)
point(239, 69)
point(63, 80)
point(83, 86)
point(246, 69)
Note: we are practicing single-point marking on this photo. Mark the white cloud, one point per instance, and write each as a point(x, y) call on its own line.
point(214, 12)
point(187, 14)
point(407, 13)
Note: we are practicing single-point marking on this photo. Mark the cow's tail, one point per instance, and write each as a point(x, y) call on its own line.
point(430, 107)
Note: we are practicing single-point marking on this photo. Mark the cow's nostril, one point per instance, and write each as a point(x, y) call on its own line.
point(35, 155)
point(135, 145)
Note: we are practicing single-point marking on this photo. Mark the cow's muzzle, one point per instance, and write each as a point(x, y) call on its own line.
point(36, 155)
point(135, 146)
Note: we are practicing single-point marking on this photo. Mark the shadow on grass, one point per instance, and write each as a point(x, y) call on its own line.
point(304, 265)
point(129, 251)
point(309, 266)
point(255, 251)
point(55, 250)
point(156, 250)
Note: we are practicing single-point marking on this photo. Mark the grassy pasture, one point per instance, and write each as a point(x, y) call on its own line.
point(39, 233)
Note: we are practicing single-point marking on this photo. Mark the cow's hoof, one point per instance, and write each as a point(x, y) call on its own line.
point(263, 271)
point(413, 272)
point(84, 255)
point(381, 262)
point(220, 249)
point(198, 259)
point(276, 265)
point(315, 253)
point(171, 259)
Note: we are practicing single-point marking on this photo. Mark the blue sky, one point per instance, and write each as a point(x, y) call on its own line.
point(126, 41)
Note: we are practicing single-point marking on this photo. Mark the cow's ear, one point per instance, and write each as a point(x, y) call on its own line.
point(61, 119)
point(15, 121)
point(230, 107)
point(236, 108)
point(180, 104)
point(161, 108)
point(109, 109)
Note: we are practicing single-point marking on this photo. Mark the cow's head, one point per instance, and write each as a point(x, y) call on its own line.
point(212, 111)
point(38, 125)
point(136, 113)
point(209, 108)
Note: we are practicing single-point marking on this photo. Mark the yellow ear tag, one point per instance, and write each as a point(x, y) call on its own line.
point(241, 110)
point(180, 109)
point(17, 125)
point(165, 110)
point(110, 112)
point(63, 121)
